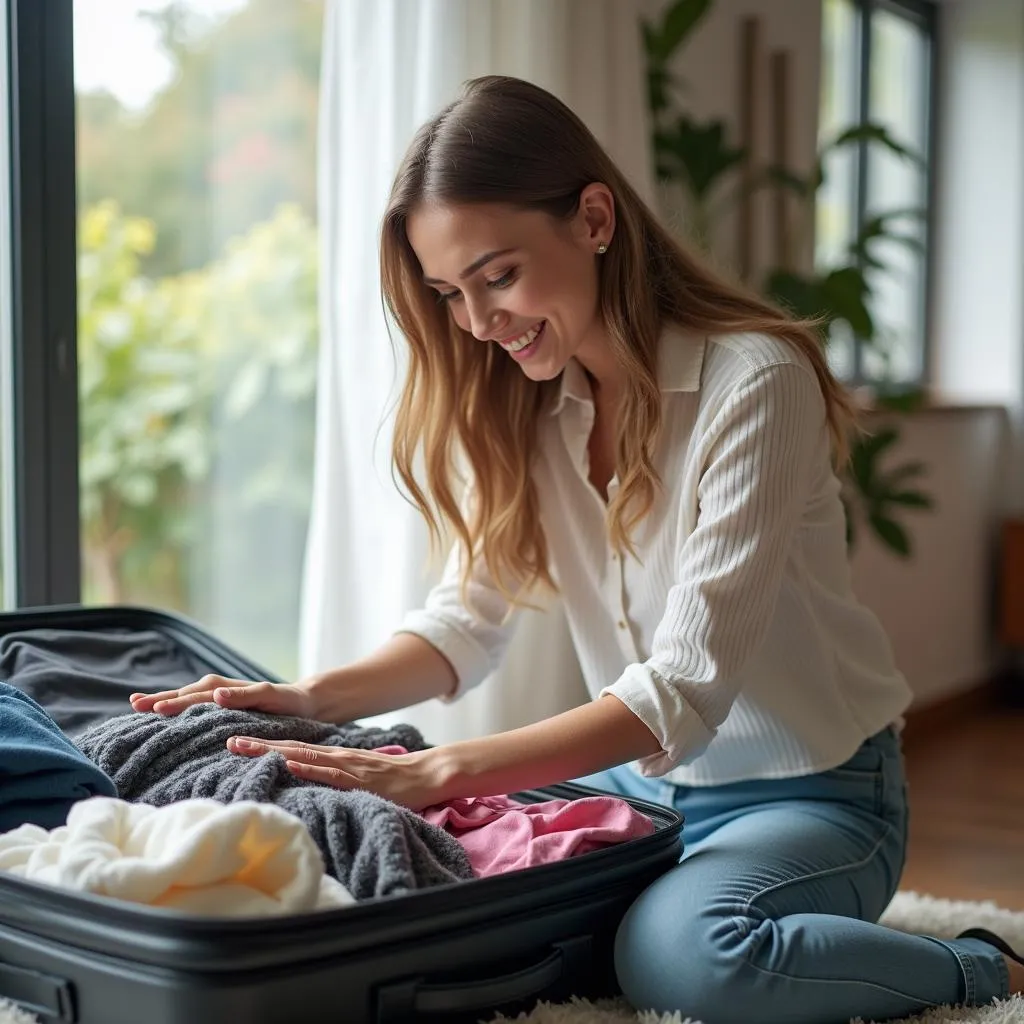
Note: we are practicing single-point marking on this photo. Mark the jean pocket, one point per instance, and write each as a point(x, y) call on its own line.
point(867, 762)
point(859, 780)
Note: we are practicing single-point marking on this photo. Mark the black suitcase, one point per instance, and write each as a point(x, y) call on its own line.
point(451, 953)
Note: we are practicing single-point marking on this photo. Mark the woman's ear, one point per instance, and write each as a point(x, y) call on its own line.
point(595, 217)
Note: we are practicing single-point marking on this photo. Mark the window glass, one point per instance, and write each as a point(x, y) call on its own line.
point(197, 273)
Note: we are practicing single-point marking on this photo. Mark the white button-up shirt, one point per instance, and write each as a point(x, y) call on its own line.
point(735, 636)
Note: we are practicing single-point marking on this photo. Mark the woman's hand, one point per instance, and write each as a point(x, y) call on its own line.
point(415, 780)
point(404, 671)
point(273, 698)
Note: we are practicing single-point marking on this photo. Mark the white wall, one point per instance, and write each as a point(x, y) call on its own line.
point(936, 607)
point(978, 308)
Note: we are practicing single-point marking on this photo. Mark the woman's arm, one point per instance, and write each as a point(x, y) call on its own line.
point(578, 742)
point(405, 670)
point(767, 440)
point(587, 739)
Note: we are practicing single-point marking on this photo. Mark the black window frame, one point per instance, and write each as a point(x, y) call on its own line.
point(924, 15)
point(43, 426)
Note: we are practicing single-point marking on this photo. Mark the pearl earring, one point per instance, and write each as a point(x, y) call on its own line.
point(602, 249)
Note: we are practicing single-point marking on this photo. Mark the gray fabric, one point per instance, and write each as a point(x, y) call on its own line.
point(371, 845)
point(84, 677)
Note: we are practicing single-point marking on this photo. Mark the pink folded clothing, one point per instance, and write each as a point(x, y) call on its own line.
point(500, 834)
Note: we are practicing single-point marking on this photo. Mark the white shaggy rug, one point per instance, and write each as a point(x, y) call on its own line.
point(908, 911)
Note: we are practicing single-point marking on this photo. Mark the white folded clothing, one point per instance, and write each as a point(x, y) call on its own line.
point(242, 859)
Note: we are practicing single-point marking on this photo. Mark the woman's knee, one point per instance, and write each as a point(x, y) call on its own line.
point(688, 959)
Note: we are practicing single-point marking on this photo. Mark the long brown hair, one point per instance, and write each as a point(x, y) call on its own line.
point(505, 140)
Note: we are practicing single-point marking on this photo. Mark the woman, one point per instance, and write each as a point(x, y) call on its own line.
point(660, 446)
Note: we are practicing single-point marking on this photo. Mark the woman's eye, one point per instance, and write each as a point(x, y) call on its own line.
point(504, 281)
point(448, 296)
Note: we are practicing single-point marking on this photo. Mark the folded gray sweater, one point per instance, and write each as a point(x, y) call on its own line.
point(372, 846)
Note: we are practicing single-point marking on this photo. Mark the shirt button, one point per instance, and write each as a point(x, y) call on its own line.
point(622, 625)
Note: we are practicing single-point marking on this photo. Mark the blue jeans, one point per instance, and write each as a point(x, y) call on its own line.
point(770, 915)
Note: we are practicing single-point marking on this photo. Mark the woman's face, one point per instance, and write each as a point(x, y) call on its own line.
point(519, 278)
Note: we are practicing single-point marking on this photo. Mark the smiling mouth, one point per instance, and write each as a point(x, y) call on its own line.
point(524, 345)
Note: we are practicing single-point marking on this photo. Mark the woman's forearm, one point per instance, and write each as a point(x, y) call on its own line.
point(405, 670)
point(579, 742)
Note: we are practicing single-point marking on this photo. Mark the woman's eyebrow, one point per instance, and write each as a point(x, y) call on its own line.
point(481, 261)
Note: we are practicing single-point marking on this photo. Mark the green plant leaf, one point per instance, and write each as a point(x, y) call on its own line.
point(801, 295)
point(910, 499)
point(873, 227)
point(903, 400)
point(679, 21)
point(845, 291)
point(647, 34)
point(908, 241)
point(851, 529)
point(700, 151)
point(868, 259)
point(879, 228)
point(817, 178)
point(658, 82)
point(864, 455)
point(803, 187)
point(877, 442)
point(906, 472)
point(872, 133)
point(766, 177)
point(890, 533)
point(840, 295)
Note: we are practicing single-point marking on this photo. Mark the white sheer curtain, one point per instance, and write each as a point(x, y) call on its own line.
point(388, 65)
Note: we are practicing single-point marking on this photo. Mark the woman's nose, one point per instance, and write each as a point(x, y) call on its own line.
point(486, 322)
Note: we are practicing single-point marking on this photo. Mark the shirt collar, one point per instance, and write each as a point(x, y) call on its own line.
point(680, 362)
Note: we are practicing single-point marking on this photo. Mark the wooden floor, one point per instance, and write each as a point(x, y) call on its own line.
point(966, 786)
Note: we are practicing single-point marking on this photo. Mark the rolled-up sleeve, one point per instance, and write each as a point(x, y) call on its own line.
point(762, 450)
point(474, 638)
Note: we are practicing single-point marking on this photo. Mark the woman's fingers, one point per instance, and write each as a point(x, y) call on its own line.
point(228, 693)
point(250, 747)
point(175, 705)
point(304, 760)
point(406, 779)
point(253, 695)
point(327, 774)
point(291, 748)
point(147, 701)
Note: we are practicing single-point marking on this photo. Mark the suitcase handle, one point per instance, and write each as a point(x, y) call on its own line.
point(37, 992)
point(398, 1001)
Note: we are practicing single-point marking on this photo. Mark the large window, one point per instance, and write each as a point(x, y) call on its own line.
point(197, 308)
point(877, 69)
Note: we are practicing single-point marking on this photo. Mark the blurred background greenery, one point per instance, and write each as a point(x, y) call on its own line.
point(198, 325)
